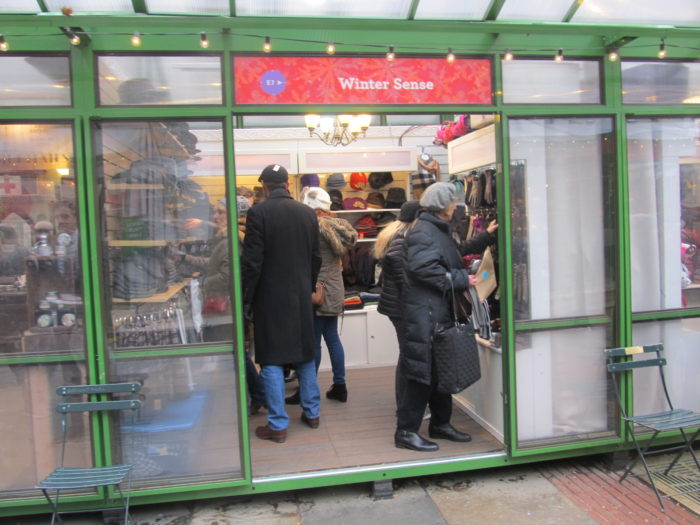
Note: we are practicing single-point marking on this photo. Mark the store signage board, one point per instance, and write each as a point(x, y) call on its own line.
point(361, 80)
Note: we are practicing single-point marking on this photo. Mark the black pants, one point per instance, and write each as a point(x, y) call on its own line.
point(412, 397)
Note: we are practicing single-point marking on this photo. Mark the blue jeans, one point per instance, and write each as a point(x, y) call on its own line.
point(309, 394)
point(256, 387)
point(328, 328)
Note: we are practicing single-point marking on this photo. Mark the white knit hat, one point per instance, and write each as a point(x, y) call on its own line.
point(316, 198)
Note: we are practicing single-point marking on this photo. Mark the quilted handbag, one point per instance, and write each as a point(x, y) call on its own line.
point(455, 354)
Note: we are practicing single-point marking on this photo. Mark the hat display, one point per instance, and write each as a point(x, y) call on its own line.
point(375, 200)
point(335, 181)
point(377, 179)
point(422, 179)
point(336, 199)
point(354, 203)
point(366, 226)
point(317, 199)
point(358, 180)
point(310, 179)
point(274, 173)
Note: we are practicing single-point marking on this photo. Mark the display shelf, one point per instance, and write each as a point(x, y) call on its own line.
point(159, 297)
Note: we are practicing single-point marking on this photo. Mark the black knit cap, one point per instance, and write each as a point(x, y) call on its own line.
point(274, 173)
point(409, 211)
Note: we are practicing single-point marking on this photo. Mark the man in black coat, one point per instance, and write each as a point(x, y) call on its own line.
point(281, 261)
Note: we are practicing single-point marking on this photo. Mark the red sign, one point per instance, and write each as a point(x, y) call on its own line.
point(355, 80)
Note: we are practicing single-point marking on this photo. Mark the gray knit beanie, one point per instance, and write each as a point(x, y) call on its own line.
point(438, 196)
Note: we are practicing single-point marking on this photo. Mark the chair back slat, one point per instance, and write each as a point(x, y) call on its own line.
point(629, 365)
point(110, 388)
point(632, 350)
point(98, 406)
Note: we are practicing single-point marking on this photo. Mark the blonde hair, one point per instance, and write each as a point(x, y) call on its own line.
point(385, 236)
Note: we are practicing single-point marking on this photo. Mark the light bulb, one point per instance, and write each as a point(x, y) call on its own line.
point(559, 57)
point(136, 39)
point(662, 49)
point(330, 48)
point(390, 54)
point(613, 55)
point(450, 55)
point(4, 46)
point(203, 42)
point(72, 37)
point(267, 45)
point(507, 55)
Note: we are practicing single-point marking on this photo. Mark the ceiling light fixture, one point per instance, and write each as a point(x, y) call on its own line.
point(450, 55)
point(267, 45)
point(72, 37)
point(330, 48)
point(390, 56)
point(340, 130)
point(662, 49)
point(613, 55)
point(507, 55)
point(203, 41)
point(559, 57)
point(4, 46)
point(136, 39)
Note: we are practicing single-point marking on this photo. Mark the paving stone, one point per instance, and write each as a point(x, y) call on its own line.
point(268, 509)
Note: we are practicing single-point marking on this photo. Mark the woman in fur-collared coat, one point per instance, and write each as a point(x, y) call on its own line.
point(336, 236)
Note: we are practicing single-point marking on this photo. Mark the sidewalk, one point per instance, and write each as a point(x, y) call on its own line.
point(574, 492)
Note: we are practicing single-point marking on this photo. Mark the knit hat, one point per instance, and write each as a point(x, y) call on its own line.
point(375, 200)
point(409, 211)
point(336, 199)
point(358, 181)
point(377, 179)
point(242, 205)
point(354, 203)
point(335, 181)
point(438, 196)
point(317, 199)
point(310, 179)
point(274, 173)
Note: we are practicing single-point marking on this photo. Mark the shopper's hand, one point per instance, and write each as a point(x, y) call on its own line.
point(492, 227)
point(473, 279)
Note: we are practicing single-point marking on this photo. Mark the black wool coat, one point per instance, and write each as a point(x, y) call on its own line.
point(281, 261)
point(430, 253)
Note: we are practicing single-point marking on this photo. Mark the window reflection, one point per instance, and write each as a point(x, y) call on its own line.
point(165, 231)
point(41, 306)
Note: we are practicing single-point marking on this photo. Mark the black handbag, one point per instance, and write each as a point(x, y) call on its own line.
point(455, 353)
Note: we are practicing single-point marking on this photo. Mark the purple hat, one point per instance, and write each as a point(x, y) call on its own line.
point(311, 180)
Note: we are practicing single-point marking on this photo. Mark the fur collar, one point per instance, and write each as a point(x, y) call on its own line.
point(338, 232)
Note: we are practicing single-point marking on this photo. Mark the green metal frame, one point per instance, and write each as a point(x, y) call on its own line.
point(229, 36)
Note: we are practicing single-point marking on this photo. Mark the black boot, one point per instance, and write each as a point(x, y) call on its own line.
point(293, 399)
point(447, 431)
point(338, 392)
point(413, 441)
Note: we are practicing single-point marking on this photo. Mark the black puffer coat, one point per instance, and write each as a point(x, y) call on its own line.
point(392, 278)
point(430, 254)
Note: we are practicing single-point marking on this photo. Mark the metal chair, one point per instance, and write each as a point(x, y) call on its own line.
point(673, 419)
point(67, 478)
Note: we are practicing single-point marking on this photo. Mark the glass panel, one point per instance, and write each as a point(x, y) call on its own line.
point(29, 397)
point(276, 121)
point(674, 12)
point(21, 6)
point(35, 81)
point(547, 81)
point(664, 173)
point(412, 120)
point(543, 10)
point(198, 7)
point(681, 340)
point(474, 10)
point(41, 303)
point(123, 6)
point(188, 425)
point(660, 82)
point(354, 9)
point(166, 272)
point(161, 80)
point(560, 177)
point(562, 386)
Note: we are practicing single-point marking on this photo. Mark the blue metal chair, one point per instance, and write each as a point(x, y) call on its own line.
point(673, 419)
point(67, 478)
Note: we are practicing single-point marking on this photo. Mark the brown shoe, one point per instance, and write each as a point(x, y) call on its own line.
point(278, 436)
point(313, 422)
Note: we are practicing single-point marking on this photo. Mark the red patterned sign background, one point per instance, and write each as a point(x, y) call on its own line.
point(355, 80)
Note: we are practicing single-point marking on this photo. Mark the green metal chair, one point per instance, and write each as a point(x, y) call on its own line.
point(673, 419)
point(67, 478)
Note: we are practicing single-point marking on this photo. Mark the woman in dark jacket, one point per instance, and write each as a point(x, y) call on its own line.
point(432, 259)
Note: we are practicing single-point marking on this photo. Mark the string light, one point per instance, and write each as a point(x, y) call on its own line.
point(74, 39)
point(267, 45)
point(613, 54)
point(390, 54)
point(559, 57)
point(203, 41)
point(662, 49)
point(507, 55)
point(450, 55)
point(136, 39)
point(4, 46)
point(330, 48)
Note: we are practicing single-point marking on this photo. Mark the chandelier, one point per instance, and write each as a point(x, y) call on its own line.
point(340, 130)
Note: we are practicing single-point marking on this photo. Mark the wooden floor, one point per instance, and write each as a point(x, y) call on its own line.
point(359, 432)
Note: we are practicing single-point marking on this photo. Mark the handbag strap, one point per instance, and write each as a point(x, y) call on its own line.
point(455, 304)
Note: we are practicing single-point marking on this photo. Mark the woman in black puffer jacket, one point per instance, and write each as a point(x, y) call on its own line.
point(431, 254)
